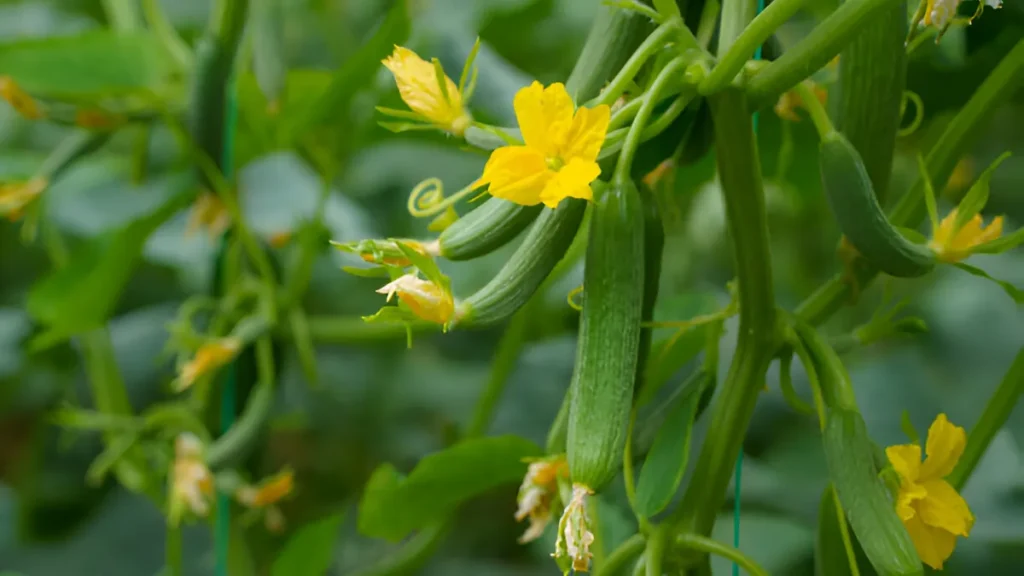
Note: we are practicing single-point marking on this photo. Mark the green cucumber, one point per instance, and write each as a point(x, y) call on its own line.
point(872, 77)
point(861, 219)
point(609, 337)
point(865, 499)
point(485, 229)
point(544, 246)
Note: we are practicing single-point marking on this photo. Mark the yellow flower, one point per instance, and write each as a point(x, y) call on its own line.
point(559, 159)
point(940, 13)
point(208, 358)
point(951, 245)
point(268, 492)
point(192, 482)
point(208, 212)
point(930, 508)
point(537, 493)
point(419, 87)
point(426, 299)
point(788, 103)
point(15, 196)
point(574, 535)
point(19, 99)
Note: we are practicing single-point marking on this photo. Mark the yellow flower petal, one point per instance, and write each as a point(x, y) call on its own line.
point(945, 444)
point(545, 116)
point(906, 460)
point(934, 545)
point(516, 173)
point(417, 84)
point(586, 134)
point(945, 508)
point(426, 299)
point(572, 181)
point(906, 501)
point(952, 247)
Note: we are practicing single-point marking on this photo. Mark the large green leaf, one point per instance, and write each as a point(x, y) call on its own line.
point(93, 64)
point(83, 294)
point(310, 550)
point(393, 505)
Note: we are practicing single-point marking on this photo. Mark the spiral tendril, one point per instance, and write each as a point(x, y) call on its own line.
point(918, 113)
point(427, 198)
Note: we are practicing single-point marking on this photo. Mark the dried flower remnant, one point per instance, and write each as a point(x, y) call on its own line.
point(537, 493)
point(20, 100)
point(574, 535)
point(426, 299)
point(265, 496)
point(208, 359)
point(208, 213)
point(192, 481)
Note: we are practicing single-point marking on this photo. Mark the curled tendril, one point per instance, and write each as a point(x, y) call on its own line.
point(427, 198)
point(571, 298)
point(918, 113)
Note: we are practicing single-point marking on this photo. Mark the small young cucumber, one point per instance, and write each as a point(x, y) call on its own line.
point(485, 229)
point(861, 219)
point(609, 337)
point(872, 77)
point(545, 245)
point(850, 456)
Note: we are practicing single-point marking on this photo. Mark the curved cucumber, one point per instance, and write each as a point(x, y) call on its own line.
point(851, 466)
point(609, 337)
point(872, 77)
point(485, 229)
point(516, 282)
point(852, 198)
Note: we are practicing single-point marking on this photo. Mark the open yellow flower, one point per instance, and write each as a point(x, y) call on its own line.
point(951, 245)
point(537, 493)
point(425, 298)
point(932, 510)
point(419, 87)
point(559, 159)
point(208, 358)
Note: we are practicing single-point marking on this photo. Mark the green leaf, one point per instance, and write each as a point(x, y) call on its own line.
point(830, 557)
point(424, 264)
point(976, 198)
point(83, 294)
point(393, 505)
point(1016, 293)
point(357, 71)
point(666, 462)
point(310, 550)
point(90, 65)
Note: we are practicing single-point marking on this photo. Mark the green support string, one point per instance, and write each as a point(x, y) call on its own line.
point(739, 458)
point(222, 528)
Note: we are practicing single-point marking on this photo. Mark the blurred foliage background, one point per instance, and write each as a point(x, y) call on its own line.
point(375, 401)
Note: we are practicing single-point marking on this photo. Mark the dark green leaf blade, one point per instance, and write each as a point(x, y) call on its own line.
point(310, 550)
point(663, 469)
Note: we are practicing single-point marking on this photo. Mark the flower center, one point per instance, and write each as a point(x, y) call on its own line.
point(555, 163)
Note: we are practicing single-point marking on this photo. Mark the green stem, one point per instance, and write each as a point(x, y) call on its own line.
point(991, 421)
point(509, 349)
point(618, 85)
point(613, 34)
point(633, 138)
point(621, 556)
point(656, 546)
point(172, 551)
point(844, 533)
point(709, 546)
point(816, 49)
point(833, 377)
point(121, 14)
point(752, 36)
point(165, 32)
point(236, 443)
point(758, 334)
point(819, 115)
point(960, 134)
point(736, 17)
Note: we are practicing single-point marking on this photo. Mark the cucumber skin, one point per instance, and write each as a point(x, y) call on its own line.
point(870, 512)
point(609, 337)
point(543, 247)
point(872, 77)
point(489, 227)
point(852, 198)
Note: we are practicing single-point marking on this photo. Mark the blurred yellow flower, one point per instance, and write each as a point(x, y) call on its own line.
point(208, 358)
point(268, 492)
point(192, 482)
point(19, 99)
point(788, 103)
point(15, 196)
point(419, 84)
point(559, 159)
point(952, 245)
point(208, 212)
point(426, 299)
point(940, 13)
point(537, 493)
point(932, 510)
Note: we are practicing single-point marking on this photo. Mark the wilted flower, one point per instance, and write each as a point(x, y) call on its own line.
point(264, 497)
point(192, 482)
point(930, 508)
point(953, 245)
point(428, 92)
point(537, 493)
point(574, 535)
point(426, 299)
point(208, 358)
point(559, 159)
point(209, 212)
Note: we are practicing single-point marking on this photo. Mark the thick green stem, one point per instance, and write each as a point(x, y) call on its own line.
point(635, 134)
point(172, 551)
point(991, 421)
point(618, 85)
point(758, 335)
point(810, 54)
point(621, 556)
point(709, 546)
point(731, 62)
point(819, 116)
point(961, 133)
point(736, 17)
point(656, 546)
